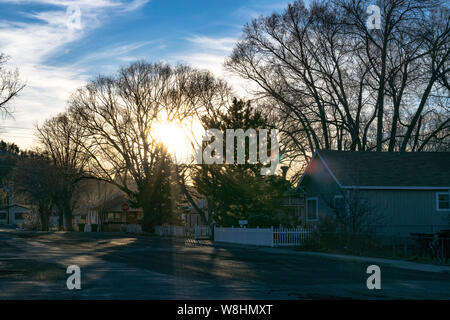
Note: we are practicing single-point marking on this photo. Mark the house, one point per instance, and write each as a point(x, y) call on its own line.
point(191, 217)
point(409, 192)
point(16, 214)
point(113, 214)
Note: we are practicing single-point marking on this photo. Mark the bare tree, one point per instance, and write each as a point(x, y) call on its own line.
point(61, 139)
point(118, 114)
point(36, 178)
point(353, 213)
point(10, 85)
point(338, 85)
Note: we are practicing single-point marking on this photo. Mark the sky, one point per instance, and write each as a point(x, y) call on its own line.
point(59, 45)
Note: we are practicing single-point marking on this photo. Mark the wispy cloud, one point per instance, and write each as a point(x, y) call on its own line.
point(33, 43)
point(258, 8)
point(224, 44)
point(210, 53)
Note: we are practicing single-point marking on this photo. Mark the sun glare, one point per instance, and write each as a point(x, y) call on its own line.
point(176, 136)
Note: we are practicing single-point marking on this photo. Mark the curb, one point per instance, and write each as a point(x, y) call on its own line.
point(414, 266)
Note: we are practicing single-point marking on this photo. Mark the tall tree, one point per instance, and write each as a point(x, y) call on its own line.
point(61, 139)
point(238, 191)
point(37, 178)
point(338, 85)
point(118, 114)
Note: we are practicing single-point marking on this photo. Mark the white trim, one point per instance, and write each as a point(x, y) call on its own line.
point(317, 208)
point(395, 188)
point(437, 201)
point(329, 170)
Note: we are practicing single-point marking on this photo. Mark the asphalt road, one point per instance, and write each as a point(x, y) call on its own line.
point(119, 266)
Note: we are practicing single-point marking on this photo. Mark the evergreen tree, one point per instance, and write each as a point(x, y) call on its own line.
point(239, 191)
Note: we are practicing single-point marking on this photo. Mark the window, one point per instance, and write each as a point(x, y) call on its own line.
point(339, 202)
point(312, 213)
point(115, 217)
point(18, 216)
point(443, 201)
point(2, 215)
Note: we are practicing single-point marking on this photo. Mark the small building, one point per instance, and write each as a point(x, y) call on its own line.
point(113, 214)
point(191, 217)
point(409, 192)
point(16, 214)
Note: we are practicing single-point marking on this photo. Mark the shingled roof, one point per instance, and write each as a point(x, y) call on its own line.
point(388, 169)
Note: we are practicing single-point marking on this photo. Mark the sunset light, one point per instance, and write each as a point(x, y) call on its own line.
point(178, 137)
point(224, 156)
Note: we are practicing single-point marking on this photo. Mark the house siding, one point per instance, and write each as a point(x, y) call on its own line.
point(406, 211)
point(398, 212)
point(319, 183)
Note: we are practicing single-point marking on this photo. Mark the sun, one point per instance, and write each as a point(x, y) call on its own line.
point(175, 136)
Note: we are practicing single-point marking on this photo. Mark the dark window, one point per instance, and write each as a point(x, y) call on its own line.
point(3, 215)
point(339, 202)
point(115, 217)
point(312, 213)
point(443, 201)
point(18, 216)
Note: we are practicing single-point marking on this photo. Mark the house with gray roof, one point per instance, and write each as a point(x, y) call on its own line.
point(408, 192)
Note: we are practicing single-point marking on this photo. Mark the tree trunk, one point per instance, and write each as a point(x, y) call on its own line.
point(68, 216)
point(60, 220)
point(44, 217)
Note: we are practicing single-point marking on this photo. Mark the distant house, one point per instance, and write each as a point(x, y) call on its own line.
point(16, 214)
point(113, 214)
point(410, 191)
point(191, 217)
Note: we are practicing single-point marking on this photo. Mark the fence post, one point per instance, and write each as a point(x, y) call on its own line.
point(271, 229)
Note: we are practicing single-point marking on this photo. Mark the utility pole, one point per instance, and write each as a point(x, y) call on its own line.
point(9, 199)
point(7, 189)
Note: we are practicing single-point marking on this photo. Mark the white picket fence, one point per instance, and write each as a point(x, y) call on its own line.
point(197, 232)
point(271, 237)
point(290, 236)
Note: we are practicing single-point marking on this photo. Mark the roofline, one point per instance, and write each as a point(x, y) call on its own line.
point(317, 154)
point(306, 169)
point(329, 170)
point(14, 205)
point(395, 188)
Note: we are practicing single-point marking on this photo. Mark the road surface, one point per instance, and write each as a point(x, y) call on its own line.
point(120, 266)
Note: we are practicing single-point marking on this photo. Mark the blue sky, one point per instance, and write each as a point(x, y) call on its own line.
point(56, 53)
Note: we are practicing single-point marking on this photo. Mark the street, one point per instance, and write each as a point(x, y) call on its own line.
point(121, 266)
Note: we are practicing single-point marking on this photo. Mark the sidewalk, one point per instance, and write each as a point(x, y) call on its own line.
point(392, 262)
point(401, 264)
